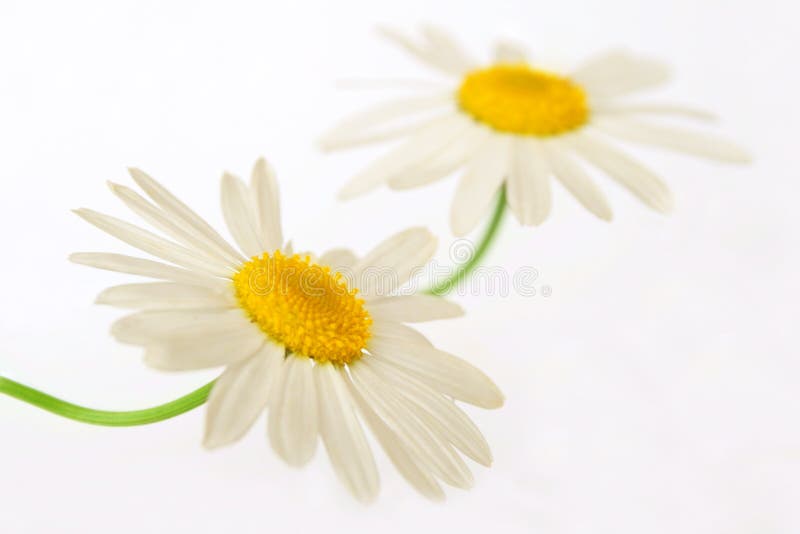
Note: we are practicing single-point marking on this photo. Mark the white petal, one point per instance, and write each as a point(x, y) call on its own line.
point(174, 227)
point(151, 269)
point(189, 352)
point(239, 396)
point(151, 243)
point(368, 137)
point(338, 258)
point(392, 330)
point(411, 152)
point(424, 53)
point(630, 173)
point(601, 108)
point(438, 412)
point(239, 213)
point(165, 295)
point(171, 205)
point(343, 436)
point(389, 265)
point(428, 448)
point(448, 160)
point(481, 180)
point(155, 326)
point(293, 421)
point(413, 308)
point(267, 205)
point(695, 143)
point(447, 48)
point(402, 456)
point(380, 120)
point(578, 182)
point(529, 193)
point(619, 72)
point(442, 371)
point(510, 52)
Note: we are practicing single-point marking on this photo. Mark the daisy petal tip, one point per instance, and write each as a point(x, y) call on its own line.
point(667, 206)
point(347, 193)
point(422, 235)
point(533, 220)
point(485, 460)
point(215, 440)
point(427, 234)
point(262, 167)
point(138, 174)
point(294, 457)
point(496, 402)
point(493, 398)
point(384, 30)
point(469, 481)
point(296, 462)
point(369, 496)
point(325, 143)
point(704, 115)
point(153, 355)
point(438, 497)
point(116, 332)
point(458, 228)
point(742, 157)
point(366, 500)
point(210, 443)
point(396, 185)
point(364, 496)
point(77, 257)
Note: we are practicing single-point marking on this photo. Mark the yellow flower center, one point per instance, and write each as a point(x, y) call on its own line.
point(517, 99)
point(304, 306)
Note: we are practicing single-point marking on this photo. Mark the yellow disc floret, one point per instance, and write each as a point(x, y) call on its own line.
point(517, 99)
point(304, 306)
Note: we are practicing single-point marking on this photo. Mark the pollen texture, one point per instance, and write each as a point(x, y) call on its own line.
point(515, 98)
point(304, 306)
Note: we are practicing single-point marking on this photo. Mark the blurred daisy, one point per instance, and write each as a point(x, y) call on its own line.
point(513, 123)
point(296, 337)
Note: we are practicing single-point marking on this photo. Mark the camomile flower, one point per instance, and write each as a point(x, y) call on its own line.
point(513, 123)
point(321, 352)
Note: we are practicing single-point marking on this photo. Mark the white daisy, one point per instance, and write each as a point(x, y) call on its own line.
point(296, 337)
point(513, 123)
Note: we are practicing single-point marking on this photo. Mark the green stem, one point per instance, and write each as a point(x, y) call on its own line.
point(103, 417)
point(486, 240)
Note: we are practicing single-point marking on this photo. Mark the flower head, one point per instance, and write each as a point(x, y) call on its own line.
point(513, 123)
point(320, 351)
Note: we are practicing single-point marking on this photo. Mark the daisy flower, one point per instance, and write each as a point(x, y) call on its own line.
point(322, 352)
point(513, 123)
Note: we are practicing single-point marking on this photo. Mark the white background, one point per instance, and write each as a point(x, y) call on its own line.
point(655, 390)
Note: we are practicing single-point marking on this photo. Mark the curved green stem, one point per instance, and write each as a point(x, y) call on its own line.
point(486, 240)
point(103, 417)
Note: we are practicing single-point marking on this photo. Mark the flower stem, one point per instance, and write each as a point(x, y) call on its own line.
point(103, 417)
point(473, 261)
